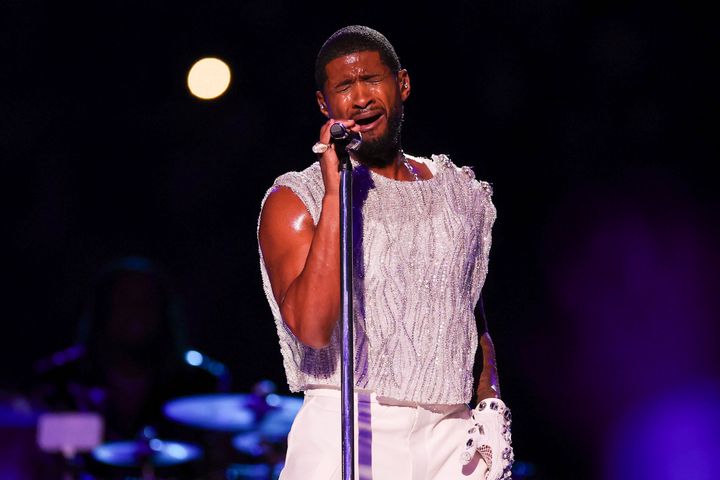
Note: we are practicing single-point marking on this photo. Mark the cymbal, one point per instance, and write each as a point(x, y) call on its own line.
point(234, 412)
point(223, 412)
point(157, 453)
point(276, 423)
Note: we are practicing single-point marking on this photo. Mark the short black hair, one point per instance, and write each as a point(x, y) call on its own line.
point(351, 39)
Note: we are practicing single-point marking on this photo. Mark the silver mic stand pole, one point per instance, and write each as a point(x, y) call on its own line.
point(343, 145)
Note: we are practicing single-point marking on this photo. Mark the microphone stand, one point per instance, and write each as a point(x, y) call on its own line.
point(343, 146)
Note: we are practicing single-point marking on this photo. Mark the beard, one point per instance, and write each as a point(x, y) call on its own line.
point(381, 151)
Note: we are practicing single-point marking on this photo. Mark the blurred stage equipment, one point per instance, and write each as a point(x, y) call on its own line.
point(70, 434)
point(148, 458)
point(130, 360)
point(18, 418)
point(244, 435)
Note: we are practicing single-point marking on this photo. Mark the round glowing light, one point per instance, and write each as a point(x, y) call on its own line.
point(208, 78)
point(272, 400)
point(194, 358)
point(156, 444)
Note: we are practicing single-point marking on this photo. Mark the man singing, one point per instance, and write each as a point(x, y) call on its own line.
point(421, 245)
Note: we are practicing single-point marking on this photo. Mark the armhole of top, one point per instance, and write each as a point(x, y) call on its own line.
point(431, 165)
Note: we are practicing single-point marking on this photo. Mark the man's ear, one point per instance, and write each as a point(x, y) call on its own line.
point(403, 84)
point(321, 103)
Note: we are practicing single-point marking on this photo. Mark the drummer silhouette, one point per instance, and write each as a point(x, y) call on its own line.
point(131, 356)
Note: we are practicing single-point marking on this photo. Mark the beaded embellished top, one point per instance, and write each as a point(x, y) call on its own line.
point(421, 257)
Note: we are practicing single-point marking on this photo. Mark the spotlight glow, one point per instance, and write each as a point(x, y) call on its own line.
point(272, 400)
point(194, 358)
point(208, 78)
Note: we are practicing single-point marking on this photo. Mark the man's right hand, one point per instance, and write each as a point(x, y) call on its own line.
point(329, 162)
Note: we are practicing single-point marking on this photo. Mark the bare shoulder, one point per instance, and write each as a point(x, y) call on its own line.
point(284, 224)
point(280, 200)
point(283, 211)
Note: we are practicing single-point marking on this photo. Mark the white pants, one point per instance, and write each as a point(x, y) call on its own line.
point(393, 440)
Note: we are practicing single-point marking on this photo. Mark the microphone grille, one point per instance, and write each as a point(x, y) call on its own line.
point(338, 131)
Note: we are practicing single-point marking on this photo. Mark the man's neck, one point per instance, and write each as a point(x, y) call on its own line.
point(394, 169)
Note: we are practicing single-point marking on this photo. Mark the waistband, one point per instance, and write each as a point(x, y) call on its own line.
point(369, 396)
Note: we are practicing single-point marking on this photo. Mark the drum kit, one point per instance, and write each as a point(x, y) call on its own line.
point(214, 436)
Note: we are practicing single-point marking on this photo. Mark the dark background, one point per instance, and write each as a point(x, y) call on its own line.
point(591, 119)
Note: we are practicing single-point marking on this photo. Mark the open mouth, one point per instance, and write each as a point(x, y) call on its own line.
point(367, 122)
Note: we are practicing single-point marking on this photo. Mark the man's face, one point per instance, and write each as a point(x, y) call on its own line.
point(361, 87)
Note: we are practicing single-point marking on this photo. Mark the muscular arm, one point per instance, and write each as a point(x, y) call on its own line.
point(303, 259)
point(303, 264)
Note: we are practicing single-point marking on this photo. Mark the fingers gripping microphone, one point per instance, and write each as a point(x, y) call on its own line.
point(343, 137)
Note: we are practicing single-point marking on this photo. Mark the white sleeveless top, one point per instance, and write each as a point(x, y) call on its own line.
point(421, 257)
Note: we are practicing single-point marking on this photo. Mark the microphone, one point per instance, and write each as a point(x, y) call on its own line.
point(341, 136)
